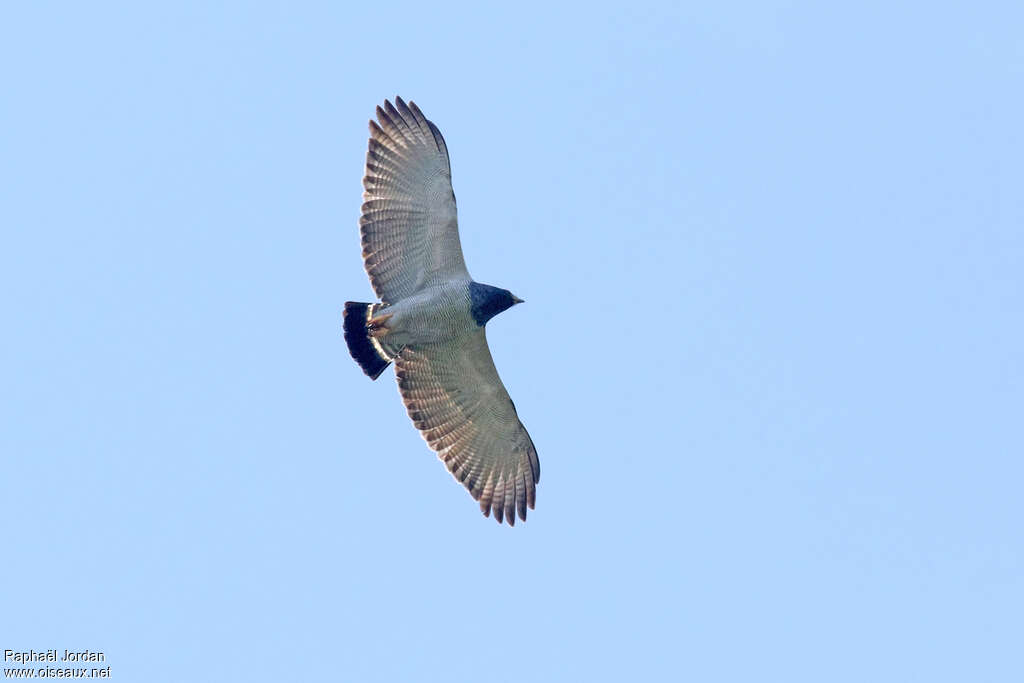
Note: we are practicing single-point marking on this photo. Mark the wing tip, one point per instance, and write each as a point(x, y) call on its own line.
point(514, 503)
point(405, 123)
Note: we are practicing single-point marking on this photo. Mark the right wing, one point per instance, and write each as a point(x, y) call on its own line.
point(409, 229)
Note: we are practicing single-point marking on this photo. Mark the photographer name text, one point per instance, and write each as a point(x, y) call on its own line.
point(52, 656)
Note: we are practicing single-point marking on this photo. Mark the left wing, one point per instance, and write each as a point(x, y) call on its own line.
point(456, 399)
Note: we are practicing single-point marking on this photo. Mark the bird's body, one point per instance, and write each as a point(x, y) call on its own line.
point(433, 315)
point(430, 322)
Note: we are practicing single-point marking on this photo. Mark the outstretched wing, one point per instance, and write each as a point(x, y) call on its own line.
point(409, 229)
point(456, 399)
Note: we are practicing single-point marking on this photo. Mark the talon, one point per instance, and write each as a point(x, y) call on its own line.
point(378, 325)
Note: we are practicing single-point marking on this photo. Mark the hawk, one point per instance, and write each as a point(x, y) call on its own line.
point(431, 316)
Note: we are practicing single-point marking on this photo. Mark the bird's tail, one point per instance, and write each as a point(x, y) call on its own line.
point(367, 350)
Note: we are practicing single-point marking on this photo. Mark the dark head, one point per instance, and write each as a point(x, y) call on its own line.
point(487, 302)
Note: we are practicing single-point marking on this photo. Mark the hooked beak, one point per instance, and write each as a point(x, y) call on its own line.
point(516, 300)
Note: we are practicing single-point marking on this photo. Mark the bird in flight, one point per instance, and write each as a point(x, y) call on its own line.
point(430, 321)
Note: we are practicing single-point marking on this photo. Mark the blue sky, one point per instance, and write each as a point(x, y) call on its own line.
point(771, 354)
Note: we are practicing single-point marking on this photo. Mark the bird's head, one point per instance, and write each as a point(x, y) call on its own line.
point(487, 302)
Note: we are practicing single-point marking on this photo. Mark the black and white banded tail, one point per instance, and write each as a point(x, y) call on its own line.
point(373, 356)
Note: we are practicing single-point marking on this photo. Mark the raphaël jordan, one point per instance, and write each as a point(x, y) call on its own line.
point(51, 656)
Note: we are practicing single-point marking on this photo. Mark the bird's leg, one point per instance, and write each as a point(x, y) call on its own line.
point(377, 326)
